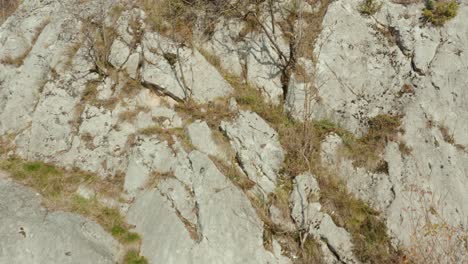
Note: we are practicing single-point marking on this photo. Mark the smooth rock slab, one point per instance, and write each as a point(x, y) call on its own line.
point(31, 234)
point(201, 138)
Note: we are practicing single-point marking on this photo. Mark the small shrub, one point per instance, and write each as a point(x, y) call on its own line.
point(440, 11)
point(369, 7)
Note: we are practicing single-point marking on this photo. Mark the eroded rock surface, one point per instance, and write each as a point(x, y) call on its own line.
point(32, 234)
point(114, 110)
point(396, 65)
point(257, 147)
point(205, 224)
point(307, 215)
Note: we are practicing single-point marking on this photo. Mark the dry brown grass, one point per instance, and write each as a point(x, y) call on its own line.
point(311, 31)
point(7, 7)
point(433, 240)
point(170, 135)
point(232, 172)
point(369, 232)
point(301, 142)
point(6, 144)
point(447, 135)
point(213, 113)
point(156, 177)
point(176, 19)
point(130, 115)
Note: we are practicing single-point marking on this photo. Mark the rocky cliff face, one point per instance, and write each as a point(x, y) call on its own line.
point(195, 123)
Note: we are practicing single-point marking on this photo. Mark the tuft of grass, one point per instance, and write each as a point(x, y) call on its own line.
point(58, 188)
point(156, 177)
point(123, 234)
point(369, 7)
point(437, 12)
point(447, 135)
point(171, 18)
point(90, 96)
point(130, 115)
point(133, 257)
point(70, 53)
point(169, 135)
point(50, 181)
point(364, 151)
point(233, 173)
point(176, 19)
point(310, 252)
point(6, 144)
point(213, 113)
point(368, 231)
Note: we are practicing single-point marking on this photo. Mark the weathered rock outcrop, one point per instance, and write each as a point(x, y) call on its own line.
point(306, 212)
point(258, 149)
point(90, 85)
point(394, 64)
point(199, 216)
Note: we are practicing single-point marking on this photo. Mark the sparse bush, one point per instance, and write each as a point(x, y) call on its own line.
point(437, 12)
point(369, 7)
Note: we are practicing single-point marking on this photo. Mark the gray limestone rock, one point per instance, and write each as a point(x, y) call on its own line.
point(306, 212)
point(182, 73)
point(201, 138)
point(258, 149)
point(214, 218)
point(119, 54)
point(32, 234)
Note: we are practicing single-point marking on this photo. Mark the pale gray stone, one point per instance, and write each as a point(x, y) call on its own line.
point(31, 234)
point(132, 65)
point(119, 53)
point(258, 149)
point(306, 211)
point(85, 192)
point(201, 138)
point(180, 72)
point(221, 217)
